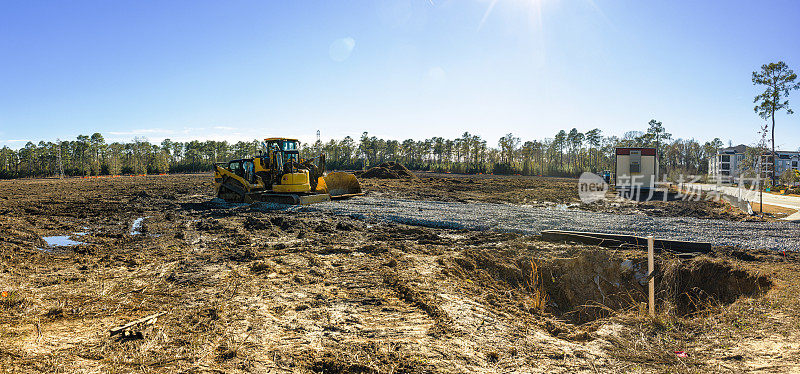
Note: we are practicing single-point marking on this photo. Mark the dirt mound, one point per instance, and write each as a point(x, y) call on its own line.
point(695, 209)
point(389, 170)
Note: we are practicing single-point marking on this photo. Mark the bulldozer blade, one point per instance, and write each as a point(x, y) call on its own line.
point(341, 185)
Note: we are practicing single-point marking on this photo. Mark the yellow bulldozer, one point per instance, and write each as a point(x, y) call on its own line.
point(278, 174)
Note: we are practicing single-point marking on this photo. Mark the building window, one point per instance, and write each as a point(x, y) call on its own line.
point(726, 158)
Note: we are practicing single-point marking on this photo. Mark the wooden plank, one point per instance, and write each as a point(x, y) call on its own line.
point(128, 325)
point(585, 239)
point(345, 196)
point(597, 238)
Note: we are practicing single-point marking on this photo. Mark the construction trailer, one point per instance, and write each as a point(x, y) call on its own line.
point(635, 168)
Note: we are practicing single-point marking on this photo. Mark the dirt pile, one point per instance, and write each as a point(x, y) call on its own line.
point(695, 209)
point(389, 170)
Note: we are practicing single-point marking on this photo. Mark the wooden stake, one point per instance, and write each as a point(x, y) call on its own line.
point(650, 269)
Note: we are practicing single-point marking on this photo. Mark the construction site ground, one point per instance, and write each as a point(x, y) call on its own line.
point(381, 283)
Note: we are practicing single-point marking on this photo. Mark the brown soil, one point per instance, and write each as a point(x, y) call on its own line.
point(388, 170)
point(678, 208)
point(773, 210)
point(477, 188)
point(253, 291)
point(538, 191)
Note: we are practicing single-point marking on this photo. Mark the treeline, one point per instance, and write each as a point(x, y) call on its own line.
point(567, 153)
point(91, 155)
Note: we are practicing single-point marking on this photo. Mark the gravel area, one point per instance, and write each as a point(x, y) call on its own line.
point(532, 220)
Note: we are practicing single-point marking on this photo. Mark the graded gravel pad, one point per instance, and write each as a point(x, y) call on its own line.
point(532, 220)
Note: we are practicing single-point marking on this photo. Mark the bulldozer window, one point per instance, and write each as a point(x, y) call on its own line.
point(236, 167)
point(248, 170)
point(289, 145)
point(293, 156)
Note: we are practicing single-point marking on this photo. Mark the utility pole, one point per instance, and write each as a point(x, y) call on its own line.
point(318, 143)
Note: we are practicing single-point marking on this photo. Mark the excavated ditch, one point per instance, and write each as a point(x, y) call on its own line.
point(594, 284)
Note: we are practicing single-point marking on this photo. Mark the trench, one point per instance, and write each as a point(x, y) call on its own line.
point(596, 284)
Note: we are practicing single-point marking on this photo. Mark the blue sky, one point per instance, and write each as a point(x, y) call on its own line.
point(239, 70)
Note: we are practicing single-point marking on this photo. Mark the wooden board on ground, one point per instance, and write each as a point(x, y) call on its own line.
point(149, 319)
point(617, 240)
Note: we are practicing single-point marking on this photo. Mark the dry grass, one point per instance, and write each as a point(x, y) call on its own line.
point(535, 287)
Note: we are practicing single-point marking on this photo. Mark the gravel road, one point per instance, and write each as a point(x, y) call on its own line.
point(532, 220)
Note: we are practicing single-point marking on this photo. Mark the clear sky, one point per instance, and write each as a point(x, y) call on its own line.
point(240, 70)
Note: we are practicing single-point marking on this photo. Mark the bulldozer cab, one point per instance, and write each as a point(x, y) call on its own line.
point(282, 150)
point(281, 144)
point(244, 168)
